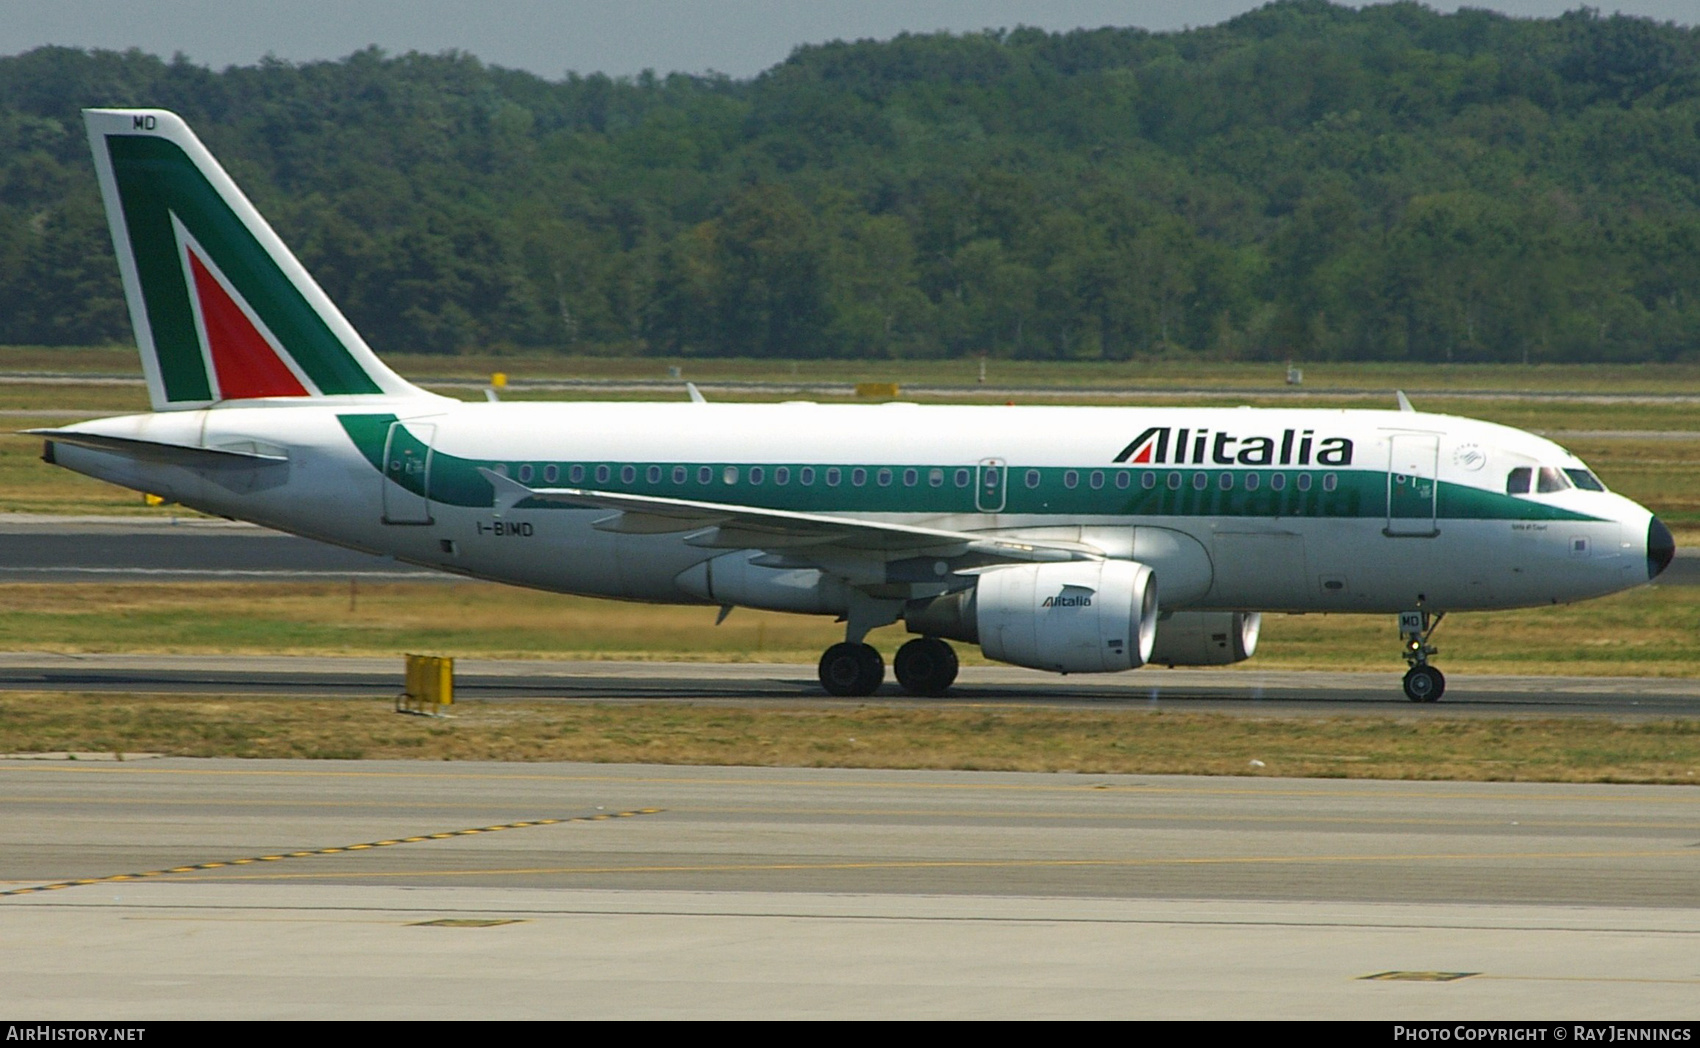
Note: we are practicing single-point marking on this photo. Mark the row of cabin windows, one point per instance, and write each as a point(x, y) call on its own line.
point(780, 475)
point(1176, 479)
point(884, 477)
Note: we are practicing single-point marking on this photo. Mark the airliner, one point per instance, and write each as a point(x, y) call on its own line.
point(1067, 539)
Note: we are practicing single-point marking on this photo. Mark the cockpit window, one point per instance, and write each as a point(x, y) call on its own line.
point(1551, 480)
point(1517, 483)
point(1585, 479)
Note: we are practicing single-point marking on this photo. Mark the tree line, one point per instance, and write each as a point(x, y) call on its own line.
point(1305, 181)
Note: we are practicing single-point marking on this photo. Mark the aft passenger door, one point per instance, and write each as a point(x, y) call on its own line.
point(1413, 487)
point(407, 473)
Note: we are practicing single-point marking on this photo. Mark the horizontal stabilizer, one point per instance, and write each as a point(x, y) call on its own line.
point(158, 452)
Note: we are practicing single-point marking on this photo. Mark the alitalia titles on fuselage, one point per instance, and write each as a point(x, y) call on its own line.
point(1185, 446)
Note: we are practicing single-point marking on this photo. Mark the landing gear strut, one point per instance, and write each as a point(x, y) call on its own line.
point(851, 669)
point(1423, 683)
point(925, 666)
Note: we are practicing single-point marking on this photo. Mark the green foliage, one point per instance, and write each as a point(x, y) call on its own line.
point(1305, 181)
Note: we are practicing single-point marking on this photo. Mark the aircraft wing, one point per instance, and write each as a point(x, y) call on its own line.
point(725, 526)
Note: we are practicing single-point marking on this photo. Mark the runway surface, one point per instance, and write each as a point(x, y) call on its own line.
point(294, 889)
point(40, 548)
point(1249, 692)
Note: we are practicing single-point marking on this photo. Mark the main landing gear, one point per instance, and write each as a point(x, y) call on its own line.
point(1423, 683)
point(925, 666)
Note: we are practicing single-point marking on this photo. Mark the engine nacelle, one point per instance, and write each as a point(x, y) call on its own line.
point(1206, 638)
point(1080, 617)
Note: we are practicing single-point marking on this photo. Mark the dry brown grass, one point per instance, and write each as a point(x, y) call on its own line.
point(1646, 378)
point(1645, 632)
point(1418, 746)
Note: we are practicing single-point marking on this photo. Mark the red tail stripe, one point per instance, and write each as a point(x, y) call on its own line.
point(244, 361)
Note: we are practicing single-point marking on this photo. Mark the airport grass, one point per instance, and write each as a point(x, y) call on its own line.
point(1422, 745)
point(1646, 632)
point(1146, 373)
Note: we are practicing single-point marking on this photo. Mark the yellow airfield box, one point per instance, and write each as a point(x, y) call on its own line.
point(430, 683)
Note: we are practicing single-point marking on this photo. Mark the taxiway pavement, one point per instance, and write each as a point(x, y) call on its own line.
point(349, 889)
point(1245, 691)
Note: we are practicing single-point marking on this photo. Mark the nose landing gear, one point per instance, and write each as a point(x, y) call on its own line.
point(1423, 683)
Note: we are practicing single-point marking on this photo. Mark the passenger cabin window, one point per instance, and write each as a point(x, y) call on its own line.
point(1517, 482)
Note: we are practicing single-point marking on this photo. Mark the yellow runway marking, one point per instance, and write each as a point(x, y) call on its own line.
point(1131, 816)
point(982, 864)
point(323, 851)
point(1090, 781)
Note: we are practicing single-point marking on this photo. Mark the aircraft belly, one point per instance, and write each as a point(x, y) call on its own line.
point(560, 550)
point(1259, 570)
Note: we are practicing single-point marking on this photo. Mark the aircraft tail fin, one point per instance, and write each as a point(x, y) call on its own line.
point(222, 310)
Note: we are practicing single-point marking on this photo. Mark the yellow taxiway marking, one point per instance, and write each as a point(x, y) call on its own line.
point(338, 850)
point(981, 864)
point(1130, 816)
point(1089, 781)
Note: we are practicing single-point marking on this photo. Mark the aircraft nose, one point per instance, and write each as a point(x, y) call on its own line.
point(1661, 547)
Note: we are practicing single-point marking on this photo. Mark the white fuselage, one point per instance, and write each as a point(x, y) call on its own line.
point(1236, 509)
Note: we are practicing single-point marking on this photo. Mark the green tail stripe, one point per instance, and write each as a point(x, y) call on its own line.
point(156, 179)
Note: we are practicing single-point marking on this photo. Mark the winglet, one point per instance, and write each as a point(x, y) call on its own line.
point(1404, 401)
point(696, 394)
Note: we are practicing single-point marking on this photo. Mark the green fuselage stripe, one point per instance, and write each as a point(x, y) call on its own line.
point(1305, 493)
